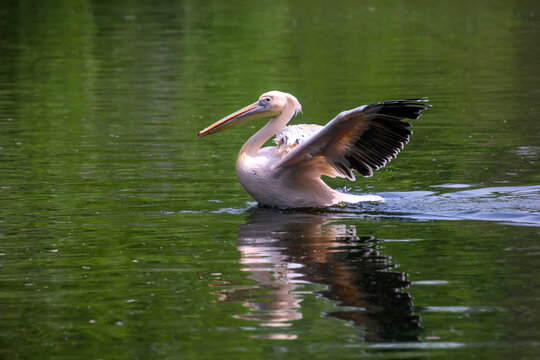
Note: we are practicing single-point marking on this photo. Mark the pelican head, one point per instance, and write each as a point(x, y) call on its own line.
point(270, 104)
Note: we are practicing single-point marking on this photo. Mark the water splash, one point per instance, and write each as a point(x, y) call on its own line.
point(516, 205)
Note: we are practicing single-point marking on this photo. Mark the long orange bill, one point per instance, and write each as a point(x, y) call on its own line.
point(250, 112)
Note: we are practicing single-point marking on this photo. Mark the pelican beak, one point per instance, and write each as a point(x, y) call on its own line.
point(250, 112)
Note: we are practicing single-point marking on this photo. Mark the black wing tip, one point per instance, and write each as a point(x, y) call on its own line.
point(421, 100)
point(414, 102)
point(364, 169)
point(387, 134)
point(403, 109)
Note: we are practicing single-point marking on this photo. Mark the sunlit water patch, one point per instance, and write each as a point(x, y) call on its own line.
point(518, 205)
point(514, 205)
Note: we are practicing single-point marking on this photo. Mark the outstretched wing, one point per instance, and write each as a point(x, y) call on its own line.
point(362, 139)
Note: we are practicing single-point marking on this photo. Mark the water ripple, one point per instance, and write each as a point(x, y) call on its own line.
point(516, 205)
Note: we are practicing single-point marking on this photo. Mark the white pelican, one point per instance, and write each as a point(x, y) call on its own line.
point(289, 175)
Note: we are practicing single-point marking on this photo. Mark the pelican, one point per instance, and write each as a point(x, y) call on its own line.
point(288, 175)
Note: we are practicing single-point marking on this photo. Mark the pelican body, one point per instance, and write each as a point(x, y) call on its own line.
point(288, 175)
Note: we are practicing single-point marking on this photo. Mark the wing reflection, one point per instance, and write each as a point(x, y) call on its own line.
point(283, 250)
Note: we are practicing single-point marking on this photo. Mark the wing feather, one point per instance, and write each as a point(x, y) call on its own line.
point(364, 139)
point(291, 136)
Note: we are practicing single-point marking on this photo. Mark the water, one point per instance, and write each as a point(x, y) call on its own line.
point(122, 235)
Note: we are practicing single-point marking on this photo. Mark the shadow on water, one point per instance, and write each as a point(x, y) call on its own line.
point(284, 250)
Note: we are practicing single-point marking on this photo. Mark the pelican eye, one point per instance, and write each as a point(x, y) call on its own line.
point(267, 100)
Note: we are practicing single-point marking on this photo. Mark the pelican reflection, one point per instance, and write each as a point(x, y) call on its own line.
point(281, 251)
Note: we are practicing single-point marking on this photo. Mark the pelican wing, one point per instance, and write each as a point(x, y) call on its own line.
point(362, 139)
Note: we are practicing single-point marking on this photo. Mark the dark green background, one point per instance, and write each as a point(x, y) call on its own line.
point(122, 235)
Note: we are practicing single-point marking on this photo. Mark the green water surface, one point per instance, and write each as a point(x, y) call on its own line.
point(124, 236)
